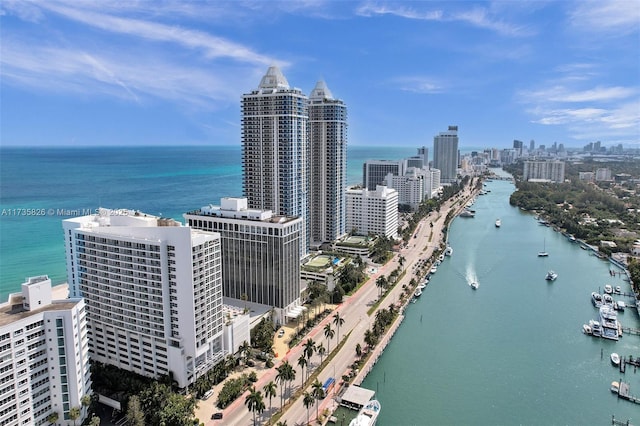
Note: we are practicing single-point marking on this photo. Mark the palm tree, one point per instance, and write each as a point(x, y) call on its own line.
point(281, 377)
point(302, 362)
point(401, 260)
point(318, 394)
point(321, 351)
point(85, 401)
point(329, 333)
point(309, 349)
point(381, 283)
point(270, 391)
point(307, 401)
point(74, 414)
point(358, 350)
point(53, 417)
point(254, 402)
point(338, 321)
point(244, 351)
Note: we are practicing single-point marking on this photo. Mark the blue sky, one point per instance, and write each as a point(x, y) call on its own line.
point(172, 73)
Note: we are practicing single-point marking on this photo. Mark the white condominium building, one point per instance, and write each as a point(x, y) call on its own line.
point(153, 290)
point(44, 356)
point(328, 165)
point(410, 187)
point(275, 150)
point(374, 212)
point(445, 154)
point(549, 171)
point(260, 253)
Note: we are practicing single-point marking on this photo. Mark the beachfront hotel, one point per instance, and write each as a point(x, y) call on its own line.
point(44, 356)
point(373, 212)
point(445, 154)
point(260, 254)
point(153, 290)
point(328, 165)
point(276, 151)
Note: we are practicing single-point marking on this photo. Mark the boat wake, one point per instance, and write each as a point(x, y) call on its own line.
point(471, 276)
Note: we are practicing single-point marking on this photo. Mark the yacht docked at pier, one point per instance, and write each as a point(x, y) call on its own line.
point(367, 415)
point(609, 322)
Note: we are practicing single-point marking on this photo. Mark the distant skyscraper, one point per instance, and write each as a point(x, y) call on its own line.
point(44, 362)
point(260, 253)
point(153, 290)
point(445, 154)
point(532, 145)
point(275, 149)
point(328, 165)
point(518, 145)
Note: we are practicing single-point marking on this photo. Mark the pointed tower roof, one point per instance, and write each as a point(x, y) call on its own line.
point(274, 79)
point(321, 91)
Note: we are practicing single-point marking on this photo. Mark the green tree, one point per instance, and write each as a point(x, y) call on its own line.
point(95, 421)
point(338, 321)
point(358, 350)
point(328, 333)
point(74, 414)
point(135, 415)
point(308, 402)
point(381, 283)
point(254, 403)
point(321, 351)
point(318, 394)
point(302, 363)
point(270, 392)
point(53, 417)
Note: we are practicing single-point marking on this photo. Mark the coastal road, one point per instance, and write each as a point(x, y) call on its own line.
point(356, 321)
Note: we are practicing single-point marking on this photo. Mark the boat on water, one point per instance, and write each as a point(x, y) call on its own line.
point(608, 289)
point(596, 329)
point(615, 359)
point(543, 253)
point(418, 292)
point(441, 257)
point(551, 276)
point(596, 299)
point(368, 415)
point(448, 251)
point(467, 213)
point(618, 289)
point(620, 305)
point(609, 322)
point(434, 270)
point(474, 285)
point(586, 329)
point(608, 300)
point(498, 223)
point(615, 387)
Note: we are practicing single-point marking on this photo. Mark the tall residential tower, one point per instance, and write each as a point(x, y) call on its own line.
point(328, 140)
point(445, 154)
point(275, 150)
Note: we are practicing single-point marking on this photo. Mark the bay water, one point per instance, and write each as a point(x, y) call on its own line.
point(511, 352)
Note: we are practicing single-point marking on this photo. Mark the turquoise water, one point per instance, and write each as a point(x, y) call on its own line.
point(511, 352)
point(166, 181)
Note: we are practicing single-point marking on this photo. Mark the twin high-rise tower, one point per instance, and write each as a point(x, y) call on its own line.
point(294, 155)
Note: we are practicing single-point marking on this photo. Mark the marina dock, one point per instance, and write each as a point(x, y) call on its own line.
point(623, 393)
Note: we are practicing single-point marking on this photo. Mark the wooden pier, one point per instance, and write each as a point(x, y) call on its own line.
point(615, 422)
point(623, 393)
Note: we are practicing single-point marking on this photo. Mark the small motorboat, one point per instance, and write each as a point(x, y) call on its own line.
point(434, 270)
point(418, 292)
point(615, 387)
point(474, 285)
point(586, 329)
point(608, 289)
point(615, 359)
point(596, 330)
point(620, 305)
point(551, 276)
point(618, 289)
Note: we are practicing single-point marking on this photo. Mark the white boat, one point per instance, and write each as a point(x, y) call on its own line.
point(441, 257)
point(618, 289)
point(608, 289)
point(418, 292)
point(596, 329)
point(434, 270)
point(467, 213)
point(448, 251)
point(551, 276)
point(498, 223)
point(368, 415)
point(615, 387)
point(620, 305)
point(596, 299)
point(609, 323)
point(543, 253)
point(474, 285)
point(608, 300)
point(615, 359)
point(586, 329)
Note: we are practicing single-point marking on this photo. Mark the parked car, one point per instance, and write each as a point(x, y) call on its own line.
point(281, 332)
point(207, 394)
point(216, 416)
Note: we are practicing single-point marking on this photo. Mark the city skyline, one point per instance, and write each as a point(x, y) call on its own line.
point(173, 73)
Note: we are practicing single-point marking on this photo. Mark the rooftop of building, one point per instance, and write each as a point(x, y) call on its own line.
point(13, 310)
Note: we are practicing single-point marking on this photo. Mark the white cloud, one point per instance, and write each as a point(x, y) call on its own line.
point(479, 17)
point(419, 84)
point(596, 94)
point(616, 17)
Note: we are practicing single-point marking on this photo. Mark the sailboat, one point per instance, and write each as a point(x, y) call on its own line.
point(543, 253)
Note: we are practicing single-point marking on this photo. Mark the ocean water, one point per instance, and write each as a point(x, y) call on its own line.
point(39, 187)
point(511, 352)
